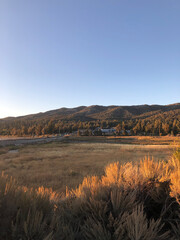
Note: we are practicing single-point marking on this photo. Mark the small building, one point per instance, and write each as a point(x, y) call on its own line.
point(109, 131)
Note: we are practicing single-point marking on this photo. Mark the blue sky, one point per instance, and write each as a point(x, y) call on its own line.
point(67, 53)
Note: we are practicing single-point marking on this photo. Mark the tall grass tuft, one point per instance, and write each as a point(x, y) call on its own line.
point(25, 213)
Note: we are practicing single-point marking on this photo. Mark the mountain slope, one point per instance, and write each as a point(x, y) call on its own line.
point(97, 112)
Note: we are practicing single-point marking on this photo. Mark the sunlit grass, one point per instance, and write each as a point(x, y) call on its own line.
point(133, 200)
point(57, 165)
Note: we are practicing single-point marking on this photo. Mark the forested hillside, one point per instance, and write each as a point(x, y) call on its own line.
point(139, 120)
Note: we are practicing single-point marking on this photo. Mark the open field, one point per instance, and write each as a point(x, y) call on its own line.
point(144, 196)
point(61, 164)
point(143, 140)
point(8, 141)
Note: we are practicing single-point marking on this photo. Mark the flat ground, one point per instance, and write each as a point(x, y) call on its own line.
point(143, 140)
point(66, 163)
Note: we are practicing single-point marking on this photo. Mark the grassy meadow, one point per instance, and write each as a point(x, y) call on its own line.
point(79, 190)
point(138, 140)
point(61, 164)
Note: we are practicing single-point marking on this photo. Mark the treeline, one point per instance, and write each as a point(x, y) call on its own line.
point(51, 126)
point(146, 127)
point(157, 125)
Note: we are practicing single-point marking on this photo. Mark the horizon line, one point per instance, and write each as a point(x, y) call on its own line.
point(28, 114)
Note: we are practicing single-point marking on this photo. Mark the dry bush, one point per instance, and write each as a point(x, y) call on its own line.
point(135, 226)
point(152, 170)
point(175, 184)
point(33, 227)
point(174, 164)
point(24, 213)
point(175, 226)
point(93, 229)
point(88, 186)
point(102, 204)
point(122, 200)
point(133, 176)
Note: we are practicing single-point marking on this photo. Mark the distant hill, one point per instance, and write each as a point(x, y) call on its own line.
point(140, 119)
point(97, 112)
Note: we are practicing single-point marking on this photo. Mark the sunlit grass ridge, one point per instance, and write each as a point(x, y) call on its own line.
point(130, 201)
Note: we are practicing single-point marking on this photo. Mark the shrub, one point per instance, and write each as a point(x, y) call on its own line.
point(24, 213)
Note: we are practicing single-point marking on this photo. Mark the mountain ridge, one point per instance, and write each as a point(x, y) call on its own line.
point(95, 112)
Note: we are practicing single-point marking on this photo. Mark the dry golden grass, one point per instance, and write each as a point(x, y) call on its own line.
point(131, 200)
point(145, 206)
point(142, 140)
point(59, 164)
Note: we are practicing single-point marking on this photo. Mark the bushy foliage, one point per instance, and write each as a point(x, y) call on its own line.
point(25, 213)
point(129, 202)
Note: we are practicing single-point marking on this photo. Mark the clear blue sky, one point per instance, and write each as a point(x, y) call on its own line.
point(66, 53)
